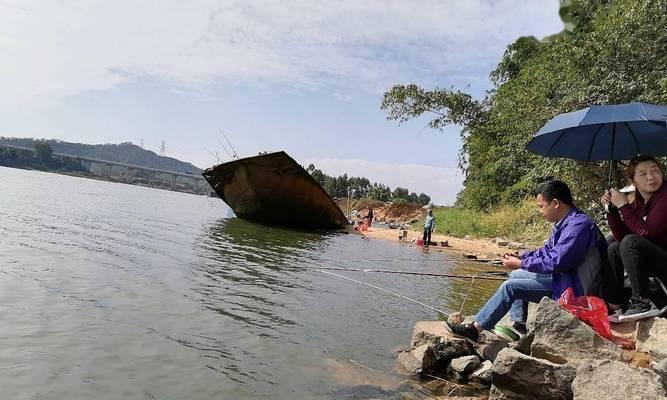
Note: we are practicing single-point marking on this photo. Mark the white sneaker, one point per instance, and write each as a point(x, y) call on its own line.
point(639, 310)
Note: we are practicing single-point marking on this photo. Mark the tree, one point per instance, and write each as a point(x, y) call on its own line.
point(380, 192)
point(400, 193)
point(423, 199)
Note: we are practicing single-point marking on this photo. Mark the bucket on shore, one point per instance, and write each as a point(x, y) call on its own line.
point(419, 242)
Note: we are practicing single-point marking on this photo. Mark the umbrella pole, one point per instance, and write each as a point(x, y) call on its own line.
point(611, 153)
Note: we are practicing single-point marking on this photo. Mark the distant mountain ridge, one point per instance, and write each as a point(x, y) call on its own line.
point(127, 153)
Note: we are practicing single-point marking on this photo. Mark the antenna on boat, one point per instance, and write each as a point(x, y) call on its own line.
point(230, 144)
point(214, 155)
point(226, 151)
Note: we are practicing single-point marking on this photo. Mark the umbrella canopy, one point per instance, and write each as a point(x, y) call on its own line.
point(610, 132)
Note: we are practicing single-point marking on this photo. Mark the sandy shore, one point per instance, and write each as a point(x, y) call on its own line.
point(482, 248)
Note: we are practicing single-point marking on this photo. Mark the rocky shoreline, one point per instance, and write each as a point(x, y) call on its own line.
point(559, 358)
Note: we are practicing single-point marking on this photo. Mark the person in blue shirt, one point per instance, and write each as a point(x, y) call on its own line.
point(429, 226)
point(571, 258)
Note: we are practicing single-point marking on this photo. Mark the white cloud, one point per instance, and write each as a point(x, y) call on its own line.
point(51, 49)
point(442, 184)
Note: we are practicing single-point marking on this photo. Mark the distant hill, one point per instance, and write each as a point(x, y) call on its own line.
point(127, 153)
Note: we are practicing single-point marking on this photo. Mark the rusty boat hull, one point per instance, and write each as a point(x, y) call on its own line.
point(274, 189)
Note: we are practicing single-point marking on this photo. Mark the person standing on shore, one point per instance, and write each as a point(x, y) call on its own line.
point(429, 226)
point(369, 216)
point(640, 246)
point(571, 258)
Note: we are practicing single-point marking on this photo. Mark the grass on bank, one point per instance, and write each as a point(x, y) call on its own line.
point(522, 223)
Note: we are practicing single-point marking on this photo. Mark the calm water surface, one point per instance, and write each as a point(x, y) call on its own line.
point(112, 291)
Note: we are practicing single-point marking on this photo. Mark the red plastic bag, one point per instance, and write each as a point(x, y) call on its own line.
point(593, 311)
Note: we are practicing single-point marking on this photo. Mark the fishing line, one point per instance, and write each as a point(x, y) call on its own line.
point(467, 293)
point(389, 271)
point(387, 291)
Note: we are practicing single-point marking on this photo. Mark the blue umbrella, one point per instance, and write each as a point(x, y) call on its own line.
point(610, 132)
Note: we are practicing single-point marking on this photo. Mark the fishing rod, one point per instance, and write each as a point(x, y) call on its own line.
point(230, 144)
point(440, 274)
point(445, 313)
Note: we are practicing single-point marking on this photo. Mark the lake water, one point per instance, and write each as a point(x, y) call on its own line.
point(112, 291)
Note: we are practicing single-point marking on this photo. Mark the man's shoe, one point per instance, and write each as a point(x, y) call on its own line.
point(506, 333)
point(639, 310)
point(465, 331)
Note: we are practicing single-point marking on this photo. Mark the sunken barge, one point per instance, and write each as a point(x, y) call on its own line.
point(272, 188)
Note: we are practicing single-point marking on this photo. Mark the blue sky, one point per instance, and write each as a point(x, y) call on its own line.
point(306, 77)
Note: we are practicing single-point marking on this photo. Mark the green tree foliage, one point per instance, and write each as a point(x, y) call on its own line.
point(359, 187)
point(611, 52)
point(380, 192)
point(400, 193)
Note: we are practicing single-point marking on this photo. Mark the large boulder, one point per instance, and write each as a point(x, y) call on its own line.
point(520, 377)
point(614, 380)
point(562, 338)
point(652, 337)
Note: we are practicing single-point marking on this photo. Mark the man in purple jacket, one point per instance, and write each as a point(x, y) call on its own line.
point(572, 257)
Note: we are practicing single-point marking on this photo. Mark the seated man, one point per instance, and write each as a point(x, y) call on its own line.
point(572, 257)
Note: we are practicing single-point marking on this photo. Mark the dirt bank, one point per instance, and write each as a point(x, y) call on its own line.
point(481, 248)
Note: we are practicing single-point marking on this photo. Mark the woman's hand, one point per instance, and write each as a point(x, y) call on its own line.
point(617, 198)
point(606, 199)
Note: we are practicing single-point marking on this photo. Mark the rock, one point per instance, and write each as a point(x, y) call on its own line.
point(489, 345)
point(444, 243)
point(518, 376)
point(470, 256)
point(455, 318)
point(467, 237)
point(611, 380)
point(465, 365)
point(502, 242)
point(483, 373)
point(409, 363)
point(652, 337)
point(445, 345)
point(401, 349)
point(560, 337)
point(420, 359)
point(450, 348)
point(661, 369)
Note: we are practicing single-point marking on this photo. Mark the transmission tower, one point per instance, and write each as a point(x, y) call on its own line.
point(162, 152)
point(142, 143)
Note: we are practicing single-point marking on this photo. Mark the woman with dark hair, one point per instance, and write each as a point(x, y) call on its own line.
point(640, 233)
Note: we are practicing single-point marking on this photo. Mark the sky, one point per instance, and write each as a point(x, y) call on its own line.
point(303, 76)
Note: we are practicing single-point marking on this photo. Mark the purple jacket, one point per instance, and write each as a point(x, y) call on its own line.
point(574, 252)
